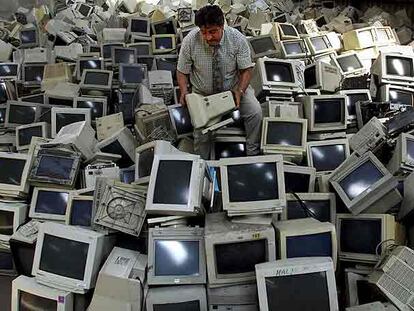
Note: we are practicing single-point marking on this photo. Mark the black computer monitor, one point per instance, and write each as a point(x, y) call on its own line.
point(353, 99)
point(12, 171)
point(296, 182)
point(229, 149)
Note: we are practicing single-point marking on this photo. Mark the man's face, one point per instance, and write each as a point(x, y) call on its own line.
point(212, 34)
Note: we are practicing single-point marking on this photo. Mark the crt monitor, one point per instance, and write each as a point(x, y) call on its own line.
point(326, 156)
point(65, 116)
point(181, 120)
point(32, 74)
point(294, 49)
point(287, 31)
point(19, 113)
point(9, 71)
point(88, 63)
point(299, 178)
point(14, 171)
point(142, 48)
point(98, 105)
point(397, 94)
point(12, 215)
point(24, 134)
point(79, 210)
point(58, 100)
point(132, 74)
point(123, 55)
point(319, 44)
point(394, 68)
point(106, 49)
point(84, 9)
point(354, 96)
point(176, 256)
point(261, 46)
point(168, 62)
point(297, 284)
point(49, 204)
point(139, 26)
point(23, 254)
point(228, 147)
point(29, 37)
point(163, 43)
point(348, 63)
point(96, 79)
point(164, 27)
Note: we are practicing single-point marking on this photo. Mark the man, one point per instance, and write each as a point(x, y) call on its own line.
point(216, 58)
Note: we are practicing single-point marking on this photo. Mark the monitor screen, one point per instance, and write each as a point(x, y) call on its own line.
point(163, 43)
point(37, 98)
point(170, 187)
point(81, 213)
point(96, 107)
point(28, 36)
point(107, 49)
point(182, 120)
point(310, 77)
point(283, 292)
point(360, 179)
point(6, 260)
point(56, 101)
point(293, 48)
point(410, 149)
point(175, 257)
point(399, 66)
point(26, 134)
point(2, 115)
point(146, 158)
point(262, 45)
point(6, 222)
point(19, 114)
point(142, 49)
point(284, 133)
point(3, 94)
point(132, 74)
point(11, 171)
point(295, 182)
point(252, 182)
point(229, 150)
point(369, 292)
point(55, 167)
point(149, 61)
point(401, 97)
point(193, 305)
point(64, 257)
point(288, 30)
point(23, 254)
point(63, 119)
point(279, 72)
point(353, 99)
point(97, 78)
point(89, 64)
point(329, 110)
point(366, 37)
point(84, 9)
point(51, 202)
point(229, 261)
point(30, 302)
point(128, 176)
point(309, 245)
point(33, 73)
point(165, 28)
point(7, 70)
point(319, 43)
point(139, 25)
point(328, 157)
point(349, 63)
point(116, 148)
point(360, 235)
point(319, 209)
point(125, 56)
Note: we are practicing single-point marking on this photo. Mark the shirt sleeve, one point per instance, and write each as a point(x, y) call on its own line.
point(184, 59)
point(244, 59)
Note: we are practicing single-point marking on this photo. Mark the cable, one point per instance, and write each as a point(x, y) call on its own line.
point(387, 249)
point(307, 211)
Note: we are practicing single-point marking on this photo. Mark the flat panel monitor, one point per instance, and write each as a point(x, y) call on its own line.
point(327, 156)
point(49, 204)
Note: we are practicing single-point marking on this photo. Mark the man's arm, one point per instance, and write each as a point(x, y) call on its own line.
point(182, 80)
point(245, 76)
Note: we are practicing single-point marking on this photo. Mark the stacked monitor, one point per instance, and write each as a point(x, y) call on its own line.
point(287, 31)
point(58, 100)
point(20, 113)
point(96, 79)
point(123, 55)
point(294, 49)
point(299, 178)
point(29, 37)
point(11, 217)
point(139, 26)
point(65, 116)
point(98, 105)
point(130, 75)
point(349, 64)
point(15, 170)
point(9, 71)
point(181, 120)
point(354, 96)
point(323, 76)
point(24, 134)
point(394, 68)
point(319, 44)
point(264, 45)
point(228, 147)
point(32, 74)
point(397, 94)
point(79, 210)
point(88, 63)
point(49, 204)
point(162, 44)
point(326, 156)
point(403, 157)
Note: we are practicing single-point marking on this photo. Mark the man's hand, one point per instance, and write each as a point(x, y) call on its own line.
point(237, 93)
point(183, 101)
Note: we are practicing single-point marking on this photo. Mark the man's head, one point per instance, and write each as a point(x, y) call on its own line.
point(210, 20)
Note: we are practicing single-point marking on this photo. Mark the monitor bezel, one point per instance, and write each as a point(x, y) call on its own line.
point(277, 160)
point(140, 18)
point(18, 103)
point(115, 48)
point(133, 45)
point(272, 52)
point(19, 217)
point(33, 44)
point(120, 44)
point(93, 58)
point(100, 99)
point(385, 91)
point(260, 65)
point(70, 233)
point(174, 234)
point(358, 71)
point(23, 183)
point(304, 170)
point(23, 74)
point(387, 224)
point(11, 77)
point(312, 49)
point(266, 147)
point(166, 20)
point(312, 197)
point(282, 34)
point(57, 110)
point(294, 56)
point(138, 66)
point(64, 299)
point(170, 112)
point(75, 196)
point(351, 92)
point(163, 51)
point(331, 142)
point(91, 8)
point(43, 216)
point(106, 87)
point(388, 78)
point(45, 133)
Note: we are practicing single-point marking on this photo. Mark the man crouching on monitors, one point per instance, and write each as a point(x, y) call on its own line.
point(216, 58)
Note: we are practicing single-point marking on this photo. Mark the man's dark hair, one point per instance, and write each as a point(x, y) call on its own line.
point(209, 15)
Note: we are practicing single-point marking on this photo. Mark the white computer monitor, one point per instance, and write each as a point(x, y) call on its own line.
point(130, 75)
point(15, 170)
point(299, 178)
point(349, 64)
point(394, 68)
point(321, 206)
point(287, 31)
point(367, 37)
point(228, 147)
point(354, 96)
point(83, 63)
point(32, 74)
point(27, 294)
point(365, 237)
point(175, 194)
point(162, 44)
point(65, 116)
point(397, 94)
point(94, 79)
point(324, 76)
point(12, 215)
point(84, 9)
point(123, 55)
point(296, 48)
point(325, 156)
point(49, 204)
point(403, 156)
point(9, 71)
point(297, 284)
point(185, 297)
point(79, 210)
point(20, 113)
point(68, 257)
point(325, 113)
point(176, 256)
point(98, 105)
point(361, 181)
point(29, 37)
point(319, 44)
point(284, 135)
point(305, 237)
point(139, 26)
point(24, 134)
point(261, 46)
point(253, 184)
point(233, 249)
